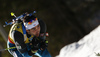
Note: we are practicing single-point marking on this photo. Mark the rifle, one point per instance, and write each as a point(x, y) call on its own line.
point(12, 21)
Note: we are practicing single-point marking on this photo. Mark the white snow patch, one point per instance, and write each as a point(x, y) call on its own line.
point(86, 47)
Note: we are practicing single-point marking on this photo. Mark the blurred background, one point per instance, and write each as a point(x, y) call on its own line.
point(67, 20)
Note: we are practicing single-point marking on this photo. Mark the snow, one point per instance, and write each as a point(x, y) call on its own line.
point(86, 47)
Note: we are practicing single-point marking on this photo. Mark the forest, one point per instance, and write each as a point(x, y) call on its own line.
point(67, 21)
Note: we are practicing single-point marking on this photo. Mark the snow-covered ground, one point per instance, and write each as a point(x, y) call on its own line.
point(86, 47)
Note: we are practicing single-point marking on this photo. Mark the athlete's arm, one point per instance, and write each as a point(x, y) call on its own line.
point(20, 44)
point(43, 29)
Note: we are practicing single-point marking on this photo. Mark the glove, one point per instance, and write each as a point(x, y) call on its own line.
point(44, 45)
point(35, 45)
point(34, 49)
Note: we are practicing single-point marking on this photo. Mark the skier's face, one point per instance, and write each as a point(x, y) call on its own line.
point(35, 31)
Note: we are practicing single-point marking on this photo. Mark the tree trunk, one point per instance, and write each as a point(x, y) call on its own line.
point(3, 33)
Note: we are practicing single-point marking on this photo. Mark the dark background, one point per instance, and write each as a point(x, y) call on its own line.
point(67, 20)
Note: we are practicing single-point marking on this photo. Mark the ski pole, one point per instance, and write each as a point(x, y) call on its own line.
point(7, 48)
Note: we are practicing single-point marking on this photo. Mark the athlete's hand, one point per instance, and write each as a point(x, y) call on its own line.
point(44, 45)
point(34, 48)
